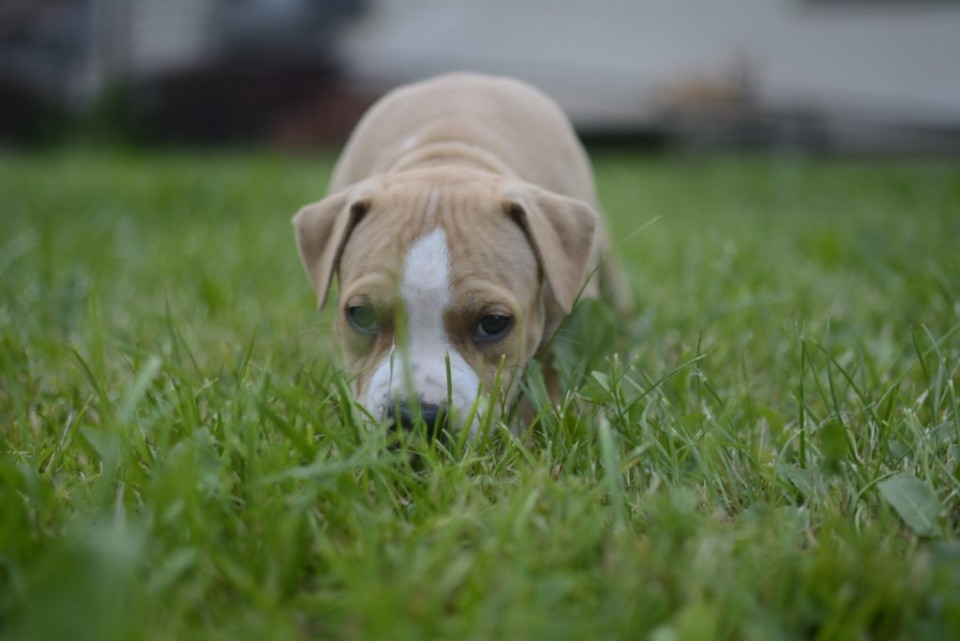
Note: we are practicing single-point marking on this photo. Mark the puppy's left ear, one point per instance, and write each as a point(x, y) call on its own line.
point(561, 230)
point(322, 230)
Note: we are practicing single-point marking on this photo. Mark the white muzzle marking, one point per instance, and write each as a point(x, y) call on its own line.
point(418, 370)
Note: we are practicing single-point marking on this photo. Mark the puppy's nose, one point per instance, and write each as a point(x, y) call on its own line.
point(405, 416)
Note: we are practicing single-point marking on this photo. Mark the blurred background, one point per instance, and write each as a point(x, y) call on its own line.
point(849, 76)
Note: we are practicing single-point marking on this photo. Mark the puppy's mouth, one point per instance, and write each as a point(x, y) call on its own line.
point(433, 419)
point(439, 393)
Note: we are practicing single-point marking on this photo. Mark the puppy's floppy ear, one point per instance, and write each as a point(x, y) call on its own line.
point(322, 230)
point(561, 230)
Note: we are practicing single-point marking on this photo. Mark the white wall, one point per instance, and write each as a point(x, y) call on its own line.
point(610, 59)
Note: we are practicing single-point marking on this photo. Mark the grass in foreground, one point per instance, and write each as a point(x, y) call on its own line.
point(773, 453)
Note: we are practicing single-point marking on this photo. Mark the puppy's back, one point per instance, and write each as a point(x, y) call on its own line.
point(515, 123)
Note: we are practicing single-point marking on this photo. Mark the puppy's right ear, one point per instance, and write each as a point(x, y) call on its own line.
point(322, 230)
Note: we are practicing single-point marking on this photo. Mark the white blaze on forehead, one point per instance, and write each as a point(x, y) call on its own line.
point(425, 287)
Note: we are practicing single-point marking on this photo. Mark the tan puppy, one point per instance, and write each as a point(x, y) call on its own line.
point(462, 222)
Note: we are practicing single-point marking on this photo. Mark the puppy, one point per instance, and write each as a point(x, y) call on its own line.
point(462, 223)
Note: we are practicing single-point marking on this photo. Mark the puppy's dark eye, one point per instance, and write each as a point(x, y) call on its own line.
point(364, 319)
point(493, 327)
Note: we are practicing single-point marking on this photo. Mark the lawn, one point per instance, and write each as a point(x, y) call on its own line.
point(769, 449)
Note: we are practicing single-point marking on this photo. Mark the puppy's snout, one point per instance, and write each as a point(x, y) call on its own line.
point(405, 416)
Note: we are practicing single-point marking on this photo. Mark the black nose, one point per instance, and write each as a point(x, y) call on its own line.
point(406, 416)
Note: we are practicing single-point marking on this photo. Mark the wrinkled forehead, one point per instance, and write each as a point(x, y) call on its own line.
point(483, 242)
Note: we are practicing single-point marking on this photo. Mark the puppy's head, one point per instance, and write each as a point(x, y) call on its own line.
point(446, 281)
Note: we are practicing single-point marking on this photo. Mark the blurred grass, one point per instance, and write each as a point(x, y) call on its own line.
point(772, 453)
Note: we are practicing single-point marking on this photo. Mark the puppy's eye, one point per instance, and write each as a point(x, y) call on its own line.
point(364, 319)
point(492, 327)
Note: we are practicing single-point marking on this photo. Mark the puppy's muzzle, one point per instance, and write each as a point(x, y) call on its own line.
point(407, 417)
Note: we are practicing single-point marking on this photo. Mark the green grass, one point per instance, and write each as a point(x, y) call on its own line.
point(772, 453)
